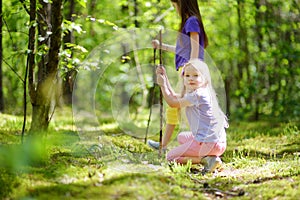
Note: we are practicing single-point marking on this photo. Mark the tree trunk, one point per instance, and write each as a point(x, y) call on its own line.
point(42, 98)
point(136, 10)
point(31, 48)
point(227, 91)
point(1, 57)
point(40, 117)
point(71, 74)
point(240, 64)
point(259, 20)
point(243, 61)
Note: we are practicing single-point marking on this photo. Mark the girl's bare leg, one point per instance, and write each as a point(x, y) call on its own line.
point(168, 134)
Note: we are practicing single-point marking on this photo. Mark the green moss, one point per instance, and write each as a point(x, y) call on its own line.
point(261, 161)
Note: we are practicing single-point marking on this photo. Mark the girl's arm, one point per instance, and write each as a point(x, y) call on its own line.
point(170, 88)
point(161, 70)
point(165, 47)
point(172, 99)
point(194, 37)
point(168, 47)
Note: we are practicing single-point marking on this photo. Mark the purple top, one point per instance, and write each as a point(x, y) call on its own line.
point(183, 44)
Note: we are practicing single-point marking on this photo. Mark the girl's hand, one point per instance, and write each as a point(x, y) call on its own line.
point(161, 75)
point(161, 79)
point(155, 44)
point(160, 70)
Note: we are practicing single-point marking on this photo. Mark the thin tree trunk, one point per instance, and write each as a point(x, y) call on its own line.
point(30, 63)
point(240, 64)
point(243, 62)
point(259, 19)
point(136, 10)
point(227, 91)
point(1, 58)
point(31, 48)
point(70, 75)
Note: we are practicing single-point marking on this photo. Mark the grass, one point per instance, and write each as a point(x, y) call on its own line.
point(261, 162)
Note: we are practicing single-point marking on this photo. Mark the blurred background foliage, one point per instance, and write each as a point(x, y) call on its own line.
point(254, 43)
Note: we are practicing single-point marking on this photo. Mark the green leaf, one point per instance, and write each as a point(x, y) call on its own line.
point(82, 3)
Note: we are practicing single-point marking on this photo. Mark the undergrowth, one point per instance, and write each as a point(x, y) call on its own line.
point(261, 162)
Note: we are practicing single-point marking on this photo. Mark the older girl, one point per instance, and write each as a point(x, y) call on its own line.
point(190, 44)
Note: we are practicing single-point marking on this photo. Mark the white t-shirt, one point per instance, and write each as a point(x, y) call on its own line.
point(207, 124)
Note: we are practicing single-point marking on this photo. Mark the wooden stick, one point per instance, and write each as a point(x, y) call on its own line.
point(152, 90)
point(160, 97)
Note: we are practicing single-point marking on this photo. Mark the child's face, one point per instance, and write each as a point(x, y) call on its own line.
point(192, 78)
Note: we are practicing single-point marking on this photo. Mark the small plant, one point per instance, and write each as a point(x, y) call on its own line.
point(290, 129)
point(181, 168)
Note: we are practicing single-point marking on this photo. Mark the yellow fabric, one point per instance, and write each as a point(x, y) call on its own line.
point(172, 113)
point(180, 71)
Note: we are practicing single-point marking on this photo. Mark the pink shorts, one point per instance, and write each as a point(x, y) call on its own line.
point(189, 147)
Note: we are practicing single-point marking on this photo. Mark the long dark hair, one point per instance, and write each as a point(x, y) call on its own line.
point(188, 8)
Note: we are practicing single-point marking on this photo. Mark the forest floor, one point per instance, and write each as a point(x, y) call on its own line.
point(261, 162)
